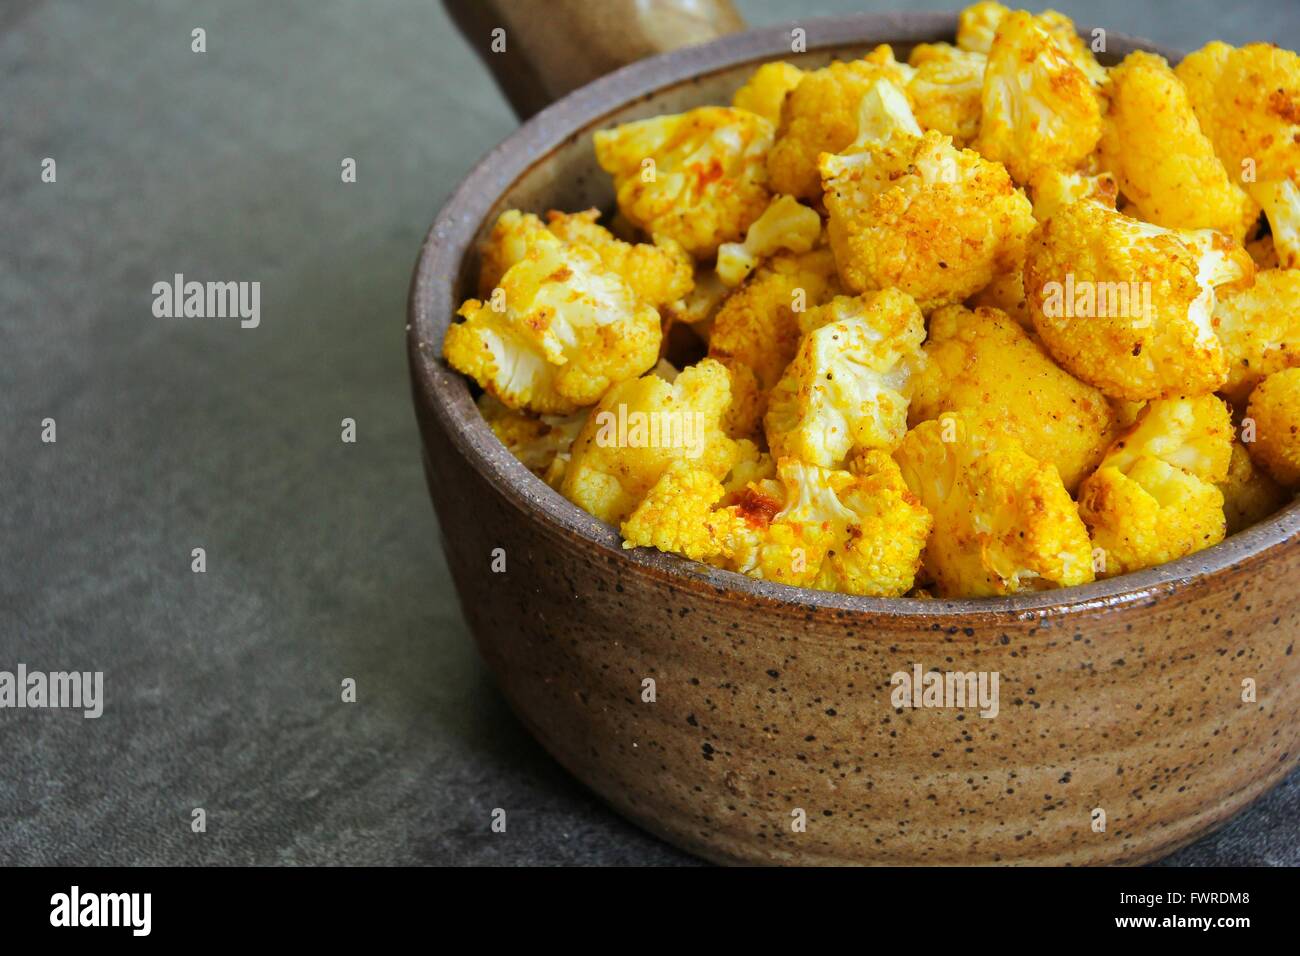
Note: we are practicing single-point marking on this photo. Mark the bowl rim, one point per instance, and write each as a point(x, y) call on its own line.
point(444, 394)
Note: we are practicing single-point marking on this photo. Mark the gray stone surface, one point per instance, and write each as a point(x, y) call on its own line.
point(223, 688)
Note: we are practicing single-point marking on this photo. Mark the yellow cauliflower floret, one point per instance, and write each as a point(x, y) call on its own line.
point(1003, 522)
point(698, 177)
point(639, 429)
point(821, 116)
point(570, 328)
point(674, 515)
point(756, 332)
point(785, 224)
point(1154, 498)
point(1038, 108)
point(1275, 410)
point(658, 274)
point(860, 533)
point(978, 24)
point(984, 364)
point(1052, 189)
point(1248, 103)
point(1249, 494)
point(541, 443)
point(1164, 164)
point(766, 89)
point(848, 386)
point(1127, 306)
point(910, 211)
point(512, 235)
point(1260, 330)
point(946, 90)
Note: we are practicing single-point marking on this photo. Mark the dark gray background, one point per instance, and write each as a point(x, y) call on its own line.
point(223, 688)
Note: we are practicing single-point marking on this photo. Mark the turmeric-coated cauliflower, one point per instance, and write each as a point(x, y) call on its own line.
point(640, 428)
point(1247, 100)
point(1127, 306)
point(568, 328)
point(1260, 330)
point(910, 211)
point(1249, 494)
point(1275, 411)
point(1003, 522)
point(1053, 188)
point(946, 89)
point(1179, 183)
point(1154, 498)
point(540, 442)
point(848, 386)
point(1038, 108)
point(698, 177)
point(977, 26)
point(984, 364)
point(821, 116)
point(785, 224)
point(766, 89)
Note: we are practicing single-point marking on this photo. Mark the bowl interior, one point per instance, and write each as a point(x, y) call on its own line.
point(550, 164)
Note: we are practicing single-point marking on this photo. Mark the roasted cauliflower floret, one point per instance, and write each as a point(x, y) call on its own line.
point(659, 274)
point(1052, 189)
point(978, 24)
point(756, 331)
point(983, 364)
point(859, 532)
point(540, 442)
point(1038, 108)
point(1248, 103)
point(1003, 522)
point(1249, 494)
point(675, 514)
point(912, 212)
point(821, 116)
point(946, 90)
point(1127, 306)
point(639, 429)
point(848, 386)
point(785, 224)
point(766, 90)
point(1181, 184)
point(1260, 331)
point(1154, 498)
point(569, 328)
point(1275, 410)
point(699, 177)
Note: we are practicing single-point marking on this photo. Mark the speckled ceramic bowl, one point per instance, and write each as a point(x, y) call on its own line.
point(1125, 725)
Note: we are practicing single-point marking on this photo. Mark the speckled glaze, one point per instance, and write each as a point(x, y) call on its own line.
point(1124, 697)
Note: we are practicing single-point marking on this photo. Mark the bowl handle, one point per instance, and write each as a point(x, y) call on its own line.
point(538, 50)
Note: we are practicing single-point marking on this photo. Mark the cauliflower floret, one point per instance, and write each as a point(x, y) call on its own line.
point(1003, 522)
point(756, 332)
point(946, 89)
point(821, 116)
point(699, 177)
point(978, 24)
point(766, 90)
point(982, 363)
point(1154, 498)
point(658, 274)
point(1249, 494)
point(570, 328)
point(675, 514)
point(1038, 108)
point(859, 532)
point(1127, 306)
point(541, 443)
point(910, 211)
point(1248, 103)
point(1181, 184)
point(1275, 410)
point(639, 429)
point(512, 235)
point(785, 224)
point(1053, 188)
point(1260, 331)
point(848, 386)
